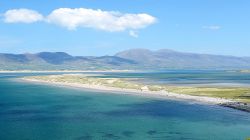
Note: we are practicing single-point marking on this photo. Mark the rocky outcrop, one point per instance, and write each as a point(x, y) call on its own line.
point(237, 105)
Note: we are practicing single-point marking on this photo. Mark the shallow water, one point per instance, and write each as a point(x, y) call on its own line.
point(38, 112)
point(190, 77)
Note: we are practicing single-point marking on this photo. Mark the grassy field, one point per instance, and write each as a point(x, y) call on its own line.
point(236, 93)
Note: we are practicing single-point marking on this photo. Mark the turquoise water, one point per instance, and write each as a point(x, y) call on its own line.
point(30, 111)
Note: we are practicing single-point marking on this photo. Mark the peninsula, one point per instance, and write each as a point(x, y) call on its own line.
point(233, 97)
point(245, 71)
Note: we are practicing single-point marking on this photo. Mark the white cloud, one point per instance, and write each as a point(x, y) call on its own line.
point(22, 16)
point(133, 33)
point(103, 20)
point(72, 19)
point(212, 27)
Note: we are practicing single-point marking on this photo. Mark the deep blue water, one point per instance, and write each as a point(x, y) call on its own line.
point(29, 111)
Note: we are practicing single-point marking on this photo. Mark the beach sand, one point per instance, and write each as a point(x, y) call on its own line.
point(143, 92)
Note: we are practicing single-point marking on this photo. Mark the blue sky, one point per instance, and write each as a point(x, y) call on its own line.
point(200, 26)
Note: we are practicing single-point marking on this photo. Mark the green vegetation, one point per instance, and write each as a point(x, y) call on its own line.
point(245, 71)
point(83, 79)
point(236, 93)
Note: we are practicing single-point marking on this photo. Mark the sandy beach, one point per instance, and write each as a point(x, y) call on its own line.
point(159, 94)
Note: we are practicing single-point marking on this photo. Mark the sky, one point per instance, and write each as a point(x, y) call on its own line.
point(105, 27)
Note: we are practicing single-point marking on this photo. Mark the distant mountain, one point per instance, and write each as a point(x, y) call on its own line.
point(55, 57)
point(61, 61)
point(129, 59)
point(172, 59)
point(114, 60)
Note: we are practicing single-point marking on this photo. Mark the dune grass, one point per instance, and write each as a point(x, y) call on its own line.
point(236, 93)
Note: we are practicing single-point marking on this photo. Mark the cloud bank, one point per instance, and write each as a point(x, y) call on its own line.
point(98, 19)
point(72, 19)
point(22, 16)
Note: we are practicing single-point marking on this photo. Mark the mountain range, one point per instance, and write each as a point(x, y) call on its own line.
point(139, 59)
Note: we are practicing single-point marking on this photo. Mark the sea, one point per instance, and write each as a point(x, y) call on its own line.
point(32, 111)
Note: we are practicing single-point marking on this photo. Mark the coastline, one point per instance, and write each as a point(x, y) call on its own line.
point(245, 71)
point(160, 94)
point(62, 71)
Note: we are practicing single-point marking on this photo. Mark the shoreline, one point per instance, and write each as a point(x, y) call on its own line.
point(123, 91)
point(63, 71)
